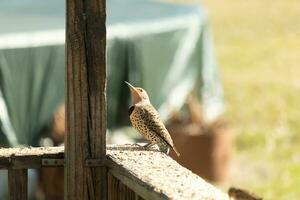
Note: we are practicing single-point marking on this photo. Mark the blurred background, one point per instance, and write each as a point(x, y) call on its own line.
point(258, 45)
point(225, 80)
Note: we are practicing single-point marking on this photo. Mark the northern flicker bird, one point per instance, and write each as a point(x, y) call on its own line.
point(145, 119)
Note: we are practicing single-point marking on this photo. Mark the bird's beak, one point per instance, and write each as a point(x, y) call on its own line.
point(130, 86)
point(135, 94)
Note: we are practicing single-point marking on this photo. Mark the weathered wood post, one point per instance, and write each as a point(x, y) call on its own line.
point(17, 184)
point(85, 99)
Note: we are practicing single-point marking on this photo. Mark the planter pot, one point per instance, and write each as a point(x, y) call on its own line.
point(205, 151)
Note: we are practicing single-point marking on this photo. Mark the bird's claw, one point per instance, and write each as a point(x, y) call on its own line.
point(146, 146)
point(149, 145)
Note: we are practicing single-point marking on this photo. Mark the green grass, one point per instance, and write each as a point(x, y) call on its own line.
point(258, 48)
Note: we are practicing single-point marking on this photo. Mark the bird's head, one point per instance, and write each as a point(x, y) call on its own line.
point(139, 95)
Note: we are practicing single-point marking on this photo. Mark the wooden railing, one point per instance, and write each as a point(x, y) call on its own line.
point(92, 169)
point(133, 173)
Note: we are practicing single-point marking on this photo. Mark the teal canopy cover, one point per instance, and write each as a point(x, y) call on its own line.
point(165, 48)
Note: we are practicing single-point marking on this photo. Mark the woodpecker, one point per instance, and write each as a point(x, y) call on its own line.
point(145, 119)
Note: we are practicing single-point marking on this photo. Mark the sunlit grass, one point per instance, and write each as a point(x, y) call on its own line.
point(258, 48)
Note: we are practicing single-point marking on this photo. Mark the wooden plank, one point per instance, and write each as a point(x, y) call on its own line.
point(17, 184)
point(85, 98)
point(155, 175)
point(141, 189)
point(118, 190)
point(149, 174)
point(24, 158)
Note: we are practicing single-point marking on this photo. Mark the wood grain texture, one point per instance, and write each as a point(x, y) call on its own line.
point(24, 158)
point(85, 98)
point(117, 190)
point(17, 184)
point(149, 174)
point(155, 175)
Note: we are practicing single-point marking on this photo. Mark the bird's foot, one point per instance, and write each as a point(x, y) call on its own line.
point(149, 145)
point(144, 145)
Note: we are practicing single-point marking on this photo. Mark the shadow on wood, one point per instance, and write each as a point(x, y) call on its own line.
point(147, 174)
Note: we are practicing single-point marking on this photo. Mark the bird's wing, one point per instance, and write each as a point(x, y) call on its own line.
point(151, 117)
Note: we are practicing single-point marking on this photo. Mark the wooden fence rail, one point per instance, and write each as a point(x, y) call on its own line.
point(133, 173)
point(92, 169)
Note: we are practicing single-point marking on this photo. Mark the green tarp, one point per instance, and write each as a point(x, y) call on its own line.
point(165, 48)
point(32, 83)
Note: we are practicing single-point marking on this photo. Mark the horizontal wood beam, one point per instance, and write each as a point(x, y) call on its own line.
point(150, 174)
point(24, 158)
point(155, 175)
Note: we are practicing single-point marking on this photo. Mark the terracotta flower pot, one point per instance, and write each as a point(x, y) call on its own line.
point(204, 150)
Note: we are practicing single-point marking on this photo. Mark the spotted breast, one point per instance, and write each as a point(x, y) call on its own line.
point(146, 120)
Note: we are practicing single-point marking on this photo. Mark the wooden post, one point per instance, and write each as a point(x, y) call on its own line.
point(17, 184)
point(85, 99)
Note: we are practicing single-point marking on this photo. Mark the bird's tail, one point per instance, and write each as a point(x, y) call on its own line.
point(176, 151)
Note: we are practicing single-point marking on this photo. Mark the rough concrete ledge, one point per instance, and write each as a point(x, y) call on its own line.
point(28, 157)
point(149, 173)
point(157, 172)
